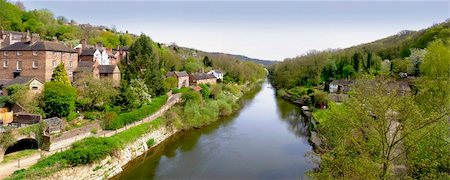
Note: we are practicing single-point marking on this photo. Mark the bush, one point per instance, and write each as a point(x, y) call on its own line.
point(192, 96)
point(59, 99)
point(117, 121)
point(205, 91)
point(150, 142)
point(72, 115)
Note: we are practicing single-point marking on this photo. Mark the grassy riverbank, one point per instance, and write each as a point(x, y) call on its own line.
point(85, 152)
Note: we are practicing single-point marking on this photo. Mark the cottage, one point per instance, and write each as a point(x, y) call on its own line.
point(54, 125)
point(340, 86)
point(36, 58)
point(182, 78)
point(100, 54)
point(196, 79)
point(217, 73)
point(32, 83)
point(98, 71)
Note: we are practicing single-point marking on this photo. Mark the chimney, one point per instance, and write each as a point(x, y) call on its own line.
point(99, 46)
point(34, 38)
point(25, 36)
point(83, 43)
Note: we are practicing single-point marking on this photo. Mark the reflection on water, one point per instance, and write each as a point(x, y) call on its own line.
point(266, 139)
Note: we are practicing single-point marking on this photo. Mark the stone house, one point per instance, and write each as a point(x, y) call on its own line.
point(340, 86)
point(104, 56)
point(32, 83)
point(217, 73)
point(98, 71)
point(182, 78)
point(10, 37)
point(36, 58)
point(196, 79)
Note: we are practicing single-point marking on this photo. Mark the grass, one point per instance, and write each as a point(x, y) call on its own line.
point(86, 151)
point(18, 155)
point(138, 114)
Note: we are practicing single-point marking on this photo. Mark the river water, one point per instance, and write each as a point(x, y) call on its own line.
point(266, 139)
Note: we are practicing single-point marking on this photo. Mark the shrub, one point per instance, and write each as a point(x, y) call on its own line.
point(59, 99)
point(117, 121)
point(72, 115)
point(205, 91)
point(192, 96)
point(150, 142)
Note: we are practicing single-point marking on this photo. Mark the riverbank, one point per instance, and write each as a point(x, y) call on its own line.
point(112, 160)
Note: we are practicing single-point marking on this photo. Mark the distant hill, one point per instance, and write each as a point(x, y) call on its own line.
point(245, 58)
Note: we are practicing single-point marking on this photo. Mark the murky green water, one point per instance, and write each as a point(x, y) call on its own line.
point(266, 139)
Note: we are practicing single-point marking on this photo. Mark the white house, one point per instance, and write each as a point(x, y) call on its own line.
point(101, 56)
point(340, 86)
point(217, 73)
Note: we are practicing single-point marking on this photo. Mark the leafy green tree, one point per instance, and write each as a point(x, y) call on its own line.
point(170, 83)
point(436, 63)
point(59, 99)
point(207, 61)
point(357, 58)
point(348, 71)
point(144, 64)
point(416, 58)
point(94, 93)
point(60, 74)
point(135, 94)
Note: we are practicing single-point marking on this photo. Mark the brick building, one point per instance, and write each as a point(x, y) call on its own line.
point(36, 58)
point(196, 79)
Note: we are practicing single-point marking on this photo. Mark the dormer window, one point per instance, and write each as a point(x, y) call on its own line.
point(35, 53)
point(5, 53)
point(18, 53)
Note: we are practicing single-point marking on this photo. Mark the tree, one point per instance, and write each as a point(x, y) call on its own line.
point(348, 71)
point(135, 94)
point(416, 58)
point(436, 63)
point(59, 99)
point(144, 64)
point(356, 60)
point(365, 136)
point(94, 93)
point(170, 83)
point(60, 74)
point(207, 61)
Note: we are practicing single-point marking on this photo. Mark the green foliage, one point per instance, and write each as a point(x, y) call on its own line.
point(84, 152)
point(93, 93)
point(150, 142)
point(436, 63)
point(205, 91)
point(144, 64)
point(135, 94)
point(192, 96)
point(7, 139)
point(170, 83)
point(60, 74)
point(15, 88)
point(59, 99)
point(112, 121)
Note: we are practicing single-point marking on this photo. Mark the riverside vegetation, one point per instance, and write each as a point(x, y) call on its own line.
point(381, 131)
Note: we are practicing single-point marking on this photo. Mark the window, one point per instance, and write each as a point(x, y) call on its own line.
point(35, 53)
point(62, 54)
point(5, 63)
point(70, 64)
point(54, 53)
point(5, 53)
point(19, 65)
point(18, 53)
point(34, 88)
point(35, 64)
point(54, 63)
point(71, 56)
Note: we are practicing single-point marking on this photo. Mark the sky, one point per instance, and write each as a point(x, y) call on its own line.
point(266, 30)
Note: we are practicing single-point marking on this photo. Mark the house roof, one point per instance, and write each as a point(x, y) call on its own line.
point(38, 46)
point(341, 82)
point(177, 73)
point(85, 66)
point(197, 88)
point(106, 69)
point(21, 80)
point(199, 76)
point(54, 121)
point(87, 52)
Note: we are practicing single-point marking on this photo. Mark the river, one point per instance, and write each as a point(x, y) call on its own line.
point(266, 139)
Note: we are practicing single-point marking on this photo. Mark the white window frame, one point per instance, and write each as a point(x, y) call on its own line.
point(18, 53)
point(35, 53)
point(5, 63)
point(70, 64)
point(17, 65)
point(54, 64)
point(54, 53)
point(35, 64)
point(71, 55)
point(5, 53)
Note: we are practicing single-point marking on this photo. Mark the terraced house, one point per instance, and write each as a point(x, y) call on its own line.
point(36, 58)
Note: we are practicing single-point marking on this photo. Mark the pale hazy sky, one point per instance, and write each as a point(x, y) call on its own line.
point(264, 29)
